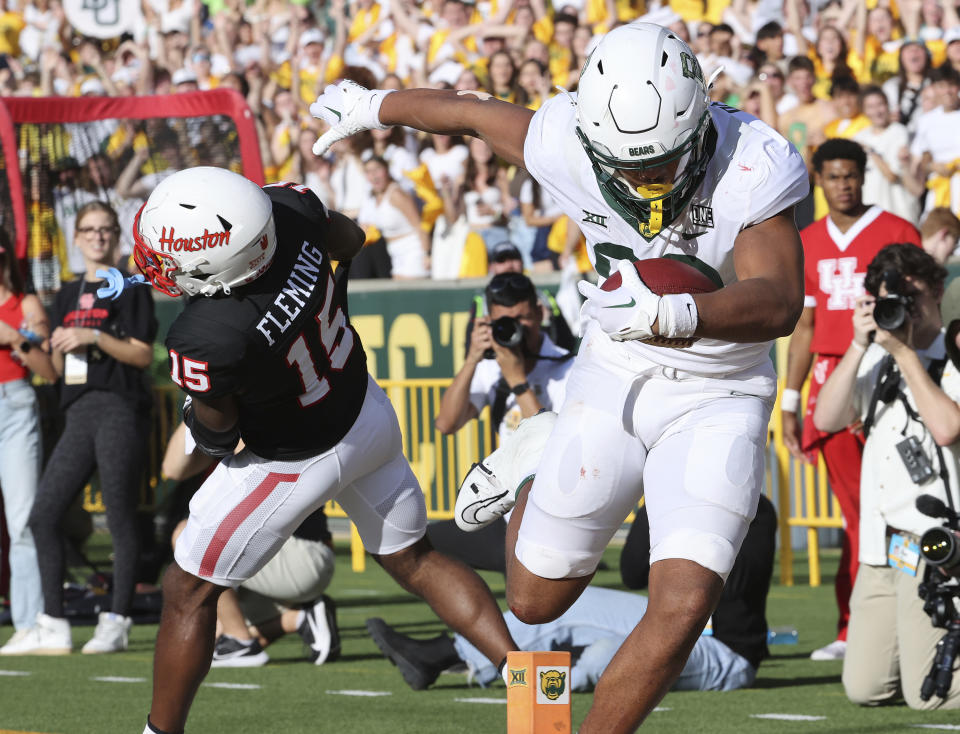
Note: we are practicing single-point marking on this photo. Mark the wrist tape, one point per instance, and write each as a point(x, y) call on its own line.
point(370, 110)
point(790, 400)
point(677, 316)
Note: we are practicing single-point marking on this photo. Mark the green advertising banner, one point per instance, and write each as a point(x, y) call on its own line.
point(409, 329)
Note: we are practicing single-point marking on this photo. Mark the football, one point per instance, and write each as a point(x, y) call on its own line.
point(664, 276)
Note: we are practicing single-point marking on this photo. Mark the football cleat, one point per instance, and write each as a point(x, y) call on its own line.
point(482, 498)
point(229, 652)
point(320, 632)
point(490, 488)
point(406, 653)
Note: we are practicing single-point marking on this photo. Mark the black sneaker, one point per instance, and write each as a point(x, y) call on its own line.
point(320, 632)
point(403, 652)
point(229, 652)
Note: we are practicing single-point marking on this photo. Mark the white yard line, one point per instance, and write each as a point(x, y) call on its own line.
point(788, 717)
point(352, 692)
point(234, 686)
point(118, 679)
point(14, 673)
point(938, 727)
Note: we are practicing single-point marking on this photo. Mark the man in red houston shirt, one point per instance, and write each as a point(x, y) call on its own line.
point(837, 250)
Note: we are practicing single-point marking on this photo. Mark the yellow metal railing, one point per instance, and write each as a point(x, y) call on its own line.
point(440, 462)
point(801, 487)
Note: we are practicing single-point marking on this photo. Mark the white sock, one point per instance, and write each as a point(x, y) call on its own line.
point(301, 615)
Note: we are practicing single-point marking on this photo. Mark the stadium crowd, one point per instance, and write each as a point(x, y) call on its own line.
point(884, 73)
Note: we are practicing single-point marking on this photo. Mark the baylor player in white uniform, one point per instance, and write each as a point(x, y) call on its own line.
point(752, 175)
point(647, 168)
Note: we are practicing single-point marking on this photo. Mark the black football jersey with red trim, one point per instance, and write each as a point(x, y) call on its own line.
point(282, 345)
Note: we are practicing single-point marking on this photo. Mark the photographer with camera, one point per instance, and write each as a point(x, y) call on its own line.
point(836, 252)
point(511, 364)
point(896, 378)
point(506, 258)
point(516, 369)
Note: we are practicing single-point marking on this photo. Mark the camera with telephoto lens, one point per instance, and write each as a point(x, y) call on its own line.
point(891, 310)
point(940, 548)
point(507, 332)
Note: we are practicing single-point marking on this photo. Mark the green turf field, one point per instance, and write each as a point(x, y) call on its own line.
point(68, 695)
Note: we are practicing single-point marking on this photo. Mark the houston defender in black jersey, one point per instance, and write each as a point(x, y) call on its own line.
point(282, 345)
point(266, 353)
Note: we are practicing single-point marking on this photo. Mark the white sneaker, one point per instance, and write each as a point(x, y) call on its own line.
point(490, 488)
point(834, 651)
point(112, 634)
point(49, 636)
point(22, 640)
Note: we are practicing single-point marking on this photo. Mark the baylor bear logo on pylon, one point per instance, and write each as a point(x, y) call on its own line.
point(552, 684)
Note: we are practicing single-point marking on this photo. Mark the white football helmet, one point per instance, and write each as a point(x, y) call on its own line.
point(643, 120)
point(204, 230)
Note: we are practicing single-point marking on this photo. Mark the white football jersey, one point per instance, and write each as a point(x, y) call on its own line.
point(753, 174)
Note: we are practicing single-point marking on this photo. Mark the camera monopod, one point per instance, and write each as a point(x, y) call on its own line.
point(940, 547)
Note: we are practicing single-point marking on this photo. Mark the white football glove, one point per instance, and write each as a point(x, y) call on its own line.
point(347, 108)
point(625, 313)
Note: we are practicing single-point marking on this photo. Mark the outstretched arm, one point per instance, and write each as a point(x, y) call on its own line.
point(349, 108)
point(501, 124)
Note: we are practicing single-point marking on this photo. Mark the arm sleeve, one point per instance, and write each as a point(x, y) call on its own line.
point(209, 362)
point(546, 157)
point(300, 200)
point(785, 183)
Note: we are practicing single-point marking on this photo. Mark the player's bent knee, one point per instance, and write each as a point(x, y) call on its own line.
point(183, 592)
point(554, 563)
point(532, 611)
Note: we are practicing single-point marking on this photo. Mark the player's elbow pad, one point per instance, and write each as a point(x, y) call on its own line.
point(210, 442)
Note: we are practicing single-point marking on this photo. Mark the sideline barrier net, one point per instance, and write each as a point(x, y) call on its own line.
point(73, 150)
